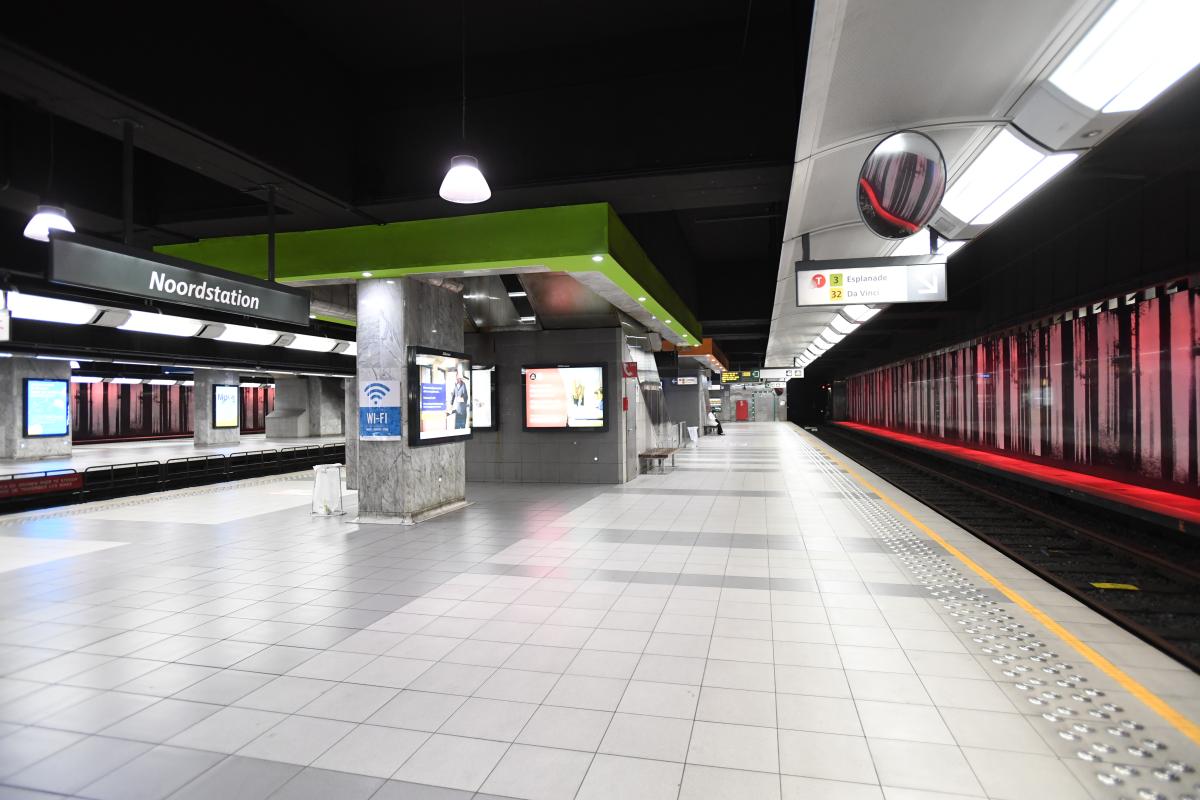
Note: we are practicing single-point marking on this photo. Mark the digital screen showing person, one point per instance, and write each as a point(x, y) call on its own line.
point(46, 410)
point(226, 405)
point(482, 417)
point(443, 386)
point(564, 397)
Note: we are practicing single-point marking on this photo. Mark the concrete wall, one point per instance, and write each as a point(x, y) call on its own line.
point(13, 443)
point(202, 415)
point(687, 404)
point(307, 406)
point(514, 455)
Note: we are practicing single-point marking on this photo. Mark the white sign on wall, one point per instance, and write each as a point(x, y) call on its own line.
point(781, 373)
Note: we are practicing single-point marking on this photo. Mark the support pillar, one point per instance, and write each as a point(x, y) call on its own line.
point(396, 482)
point(350, 410)
point(13, 441)
point(202, 412)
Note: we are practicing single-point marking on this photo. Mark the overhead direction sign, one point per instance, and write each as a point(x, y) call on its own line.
point(855, 281)
point(781, 373)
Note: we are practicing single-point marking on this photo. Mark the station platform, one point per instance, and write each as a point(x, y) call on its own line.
point(768, 620)
point(84, 456)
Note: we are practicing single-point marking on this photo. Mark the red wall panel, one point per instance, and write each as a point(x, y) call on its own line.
point(1116, 393)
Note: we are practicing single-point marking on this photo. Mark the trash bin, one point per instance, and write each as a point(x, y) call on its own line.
point(694, 435)
point(327, 490)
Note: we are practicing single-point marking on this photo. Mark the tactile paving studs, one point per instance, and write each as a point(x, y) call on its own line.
point(1020, 653)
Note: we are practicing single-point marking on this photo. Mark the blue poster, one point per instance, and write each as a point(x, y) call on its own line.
point(46, 408)
point(433, 397)
point(379, 410)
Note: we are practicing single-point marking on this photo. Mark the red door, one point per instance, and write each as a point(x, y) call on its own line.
point(742, 410)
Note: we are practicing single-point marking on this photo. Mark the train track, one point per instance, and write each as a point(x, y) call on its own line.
point(1094, 554)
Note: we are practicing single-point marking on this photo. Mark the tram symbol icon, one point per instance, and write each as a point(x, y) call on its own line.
point(818, 281)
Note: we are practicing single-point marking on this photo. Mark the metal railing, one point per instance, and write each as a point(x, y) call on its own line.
point(37, 488)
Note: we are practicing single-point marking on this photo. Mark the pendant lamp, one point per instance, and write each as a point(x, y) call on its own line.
point(464, 182)
point(48, 218)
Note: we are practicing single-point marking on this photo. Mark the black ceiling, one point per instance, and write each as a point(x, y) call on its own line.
point(681, 114)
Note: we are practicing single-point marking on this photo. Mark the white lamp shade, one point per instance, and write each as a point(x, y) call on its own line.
point(46, 219)
point(464, 183)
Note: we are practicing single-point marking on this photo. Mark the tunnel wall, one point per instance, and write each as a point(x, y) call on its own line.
point(1115, 391)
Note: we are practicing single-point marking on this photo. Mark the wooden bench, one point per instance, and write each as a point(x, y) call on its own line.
point(660, 454)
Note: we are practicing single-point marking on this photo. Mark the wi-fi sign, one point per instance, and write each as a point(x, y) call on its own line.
point(376, 392)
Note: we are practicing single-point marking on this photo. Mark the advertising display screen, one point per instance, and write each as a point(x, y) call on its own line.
point(565, 397)
point(439, 396)
point(483, 399)
point(46, 410)
point(227, 402)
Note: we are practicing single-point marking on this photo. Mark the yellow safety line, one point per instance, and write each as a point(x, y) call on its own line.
point(1164, 709)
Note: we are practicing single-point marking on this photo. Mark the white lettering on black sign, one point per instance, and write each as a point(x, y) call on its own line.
point(202, 291)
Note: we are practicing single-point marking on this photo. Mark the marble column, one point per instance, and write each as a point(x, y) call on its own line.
point(397, 482)
point(13, 441)
point(205, 435)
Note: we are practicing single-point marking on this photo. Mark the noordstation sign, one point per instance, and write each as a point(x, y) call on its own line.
point(860, 281)
point(81, 261)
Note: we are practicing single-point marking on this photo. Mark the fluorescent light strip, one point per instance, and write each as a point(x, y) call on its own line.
point(1027, 185)
point(1132, 53)
point(352, 350)
point(164, 324)
point(244, 334)
point(1004, 161)
point(130, 381)
point(86, 379)
point(843, 325)
point(50, 309)
point(160, 382)
point(318, 344)
point(860, 313)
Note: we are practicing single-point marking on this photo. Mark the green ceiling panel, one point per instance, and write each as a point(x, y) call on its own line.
point(563, 238)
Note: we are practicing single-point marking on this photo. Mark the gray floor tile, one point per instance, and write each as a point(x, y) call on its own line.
point(78, 765)
point(153, 775)
point(238, 778)
point(320, 784)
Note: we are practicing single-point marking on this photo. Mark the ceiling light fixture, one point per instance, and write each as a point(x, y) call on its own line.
point(129, 381)
point(46, 219)
point(244, 334)
point(597, 259)
point(641, 299)
point(464, 182)
point(367, 274)
point(843, 325)
point(316, 344)
point(165, 324)
point(516, 294)
point(860, 313)
point(50, 309)
point(1005, 173)
point(86, 379)
point(1131, 55)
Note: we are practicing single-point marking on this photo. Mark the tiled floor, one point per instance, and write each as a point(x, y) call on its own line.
point(742, 627)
